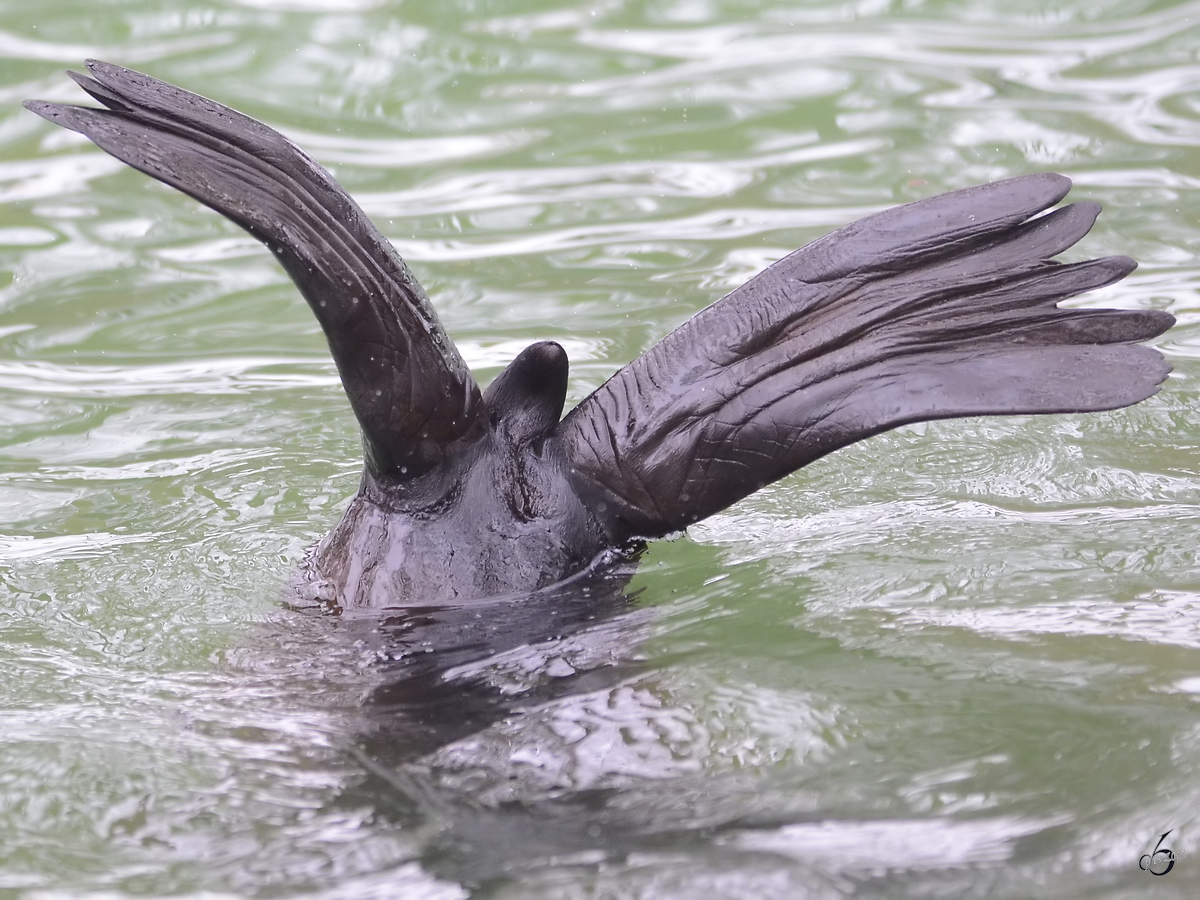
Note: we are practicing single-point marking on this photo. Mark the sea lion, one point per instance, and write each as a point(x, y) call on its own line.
point(940, 308)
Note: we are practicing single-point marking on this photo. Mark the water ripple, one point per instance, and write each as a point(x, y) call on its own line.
point(936, 653)
point(210, 376)
point(896, 845)
point(574, 184)
point(74, 546)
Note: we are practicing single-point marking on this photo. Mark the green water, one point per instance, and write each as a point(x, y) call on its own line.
point(956, 660)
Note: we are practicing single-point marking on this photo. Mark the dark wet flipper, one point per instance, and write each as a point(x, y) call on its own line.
point(945, 226)
point(411, 391)
point(938, 309)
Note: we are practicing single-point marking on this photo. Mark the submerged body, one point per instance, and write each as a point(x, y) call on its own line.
point(940, 308)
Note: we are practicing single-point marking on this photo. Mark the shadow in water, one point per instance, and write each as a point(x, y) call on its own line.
point(446, 673)
point(456, 693)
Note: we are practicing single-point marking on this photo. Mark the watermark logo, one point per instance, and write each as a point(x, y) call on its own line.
point(1158, 861)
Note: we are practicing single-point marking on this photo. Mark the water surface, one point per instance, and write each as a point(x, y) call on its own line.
point(959, 659)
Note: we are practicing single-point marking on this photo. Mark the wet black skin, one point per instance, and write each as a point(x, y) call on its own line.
point(940, 308)
point(502, 516)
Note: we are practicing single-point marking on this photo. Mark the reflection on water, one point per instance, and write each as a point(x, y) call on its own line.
point(955, 660)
